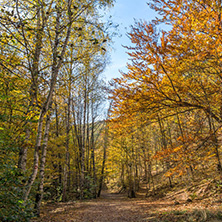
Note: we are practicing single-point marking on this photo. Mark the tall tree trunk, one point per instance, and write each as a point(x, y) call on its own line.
point(131, 173)
point(40, 192)
point(88, 164)
point(36, 157)
point(59, 167)
point(122, 178)
point(77, 141)
point(66, 179)
point(83, 151)
point(79, 125)
point(93, 149)
point(105, 144)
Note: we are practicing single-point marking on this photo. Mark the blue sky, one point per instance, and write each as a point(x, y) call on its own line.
point(123, 13)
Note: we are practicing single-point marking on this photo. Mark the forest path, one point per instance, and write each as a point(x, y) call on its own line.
point(112, 207)
point(108, 208)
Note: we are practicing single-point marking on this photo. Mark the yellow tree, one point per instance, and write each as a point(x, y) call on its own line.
point(40, 33)
point(175, 71)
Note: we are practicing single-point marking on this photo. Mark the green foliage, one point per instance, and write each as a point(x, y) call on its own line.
point(219, 215)
point(89, 191)
point(59, 194)
point(12, 179)
point(11, 204)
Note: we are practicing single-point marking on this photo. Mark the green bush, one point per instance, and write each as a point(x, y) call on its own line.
point(12, 180)
point(12, 207)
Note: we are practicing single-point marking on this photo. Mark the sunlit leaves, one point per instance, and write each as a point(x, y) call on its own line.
point(172, 72)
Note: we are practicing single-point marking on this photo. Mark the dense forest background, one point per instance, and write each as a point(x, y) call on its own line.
point(60, 139)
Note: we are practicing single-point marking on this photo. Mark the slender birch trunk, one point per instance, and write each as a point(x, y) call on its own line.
point(36, 157)
point(40, 192)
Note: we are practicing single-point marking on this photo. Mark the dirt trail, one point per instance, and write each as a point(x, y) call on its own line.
point(110, 208)
point(115, 208)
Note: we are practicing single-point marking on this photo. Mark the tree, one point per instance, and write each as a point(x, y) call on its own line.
point(41, 40)
point(174, 76)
